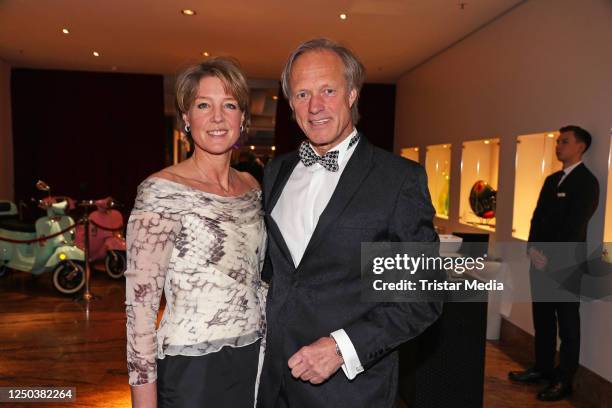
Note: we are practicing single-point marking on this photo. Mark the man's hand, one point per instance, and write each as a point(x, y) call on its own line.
point(316, 362)
point(538, 259)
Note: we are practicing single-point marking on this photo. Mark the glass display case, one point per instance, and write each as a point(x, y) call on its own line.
point(535, 160)
point(478, 191)
point(437, 166)
point(411, 153)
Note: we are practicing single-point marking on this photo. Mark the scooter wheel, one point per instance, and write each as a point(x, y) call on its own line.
point(115, 264)
point(69, 277)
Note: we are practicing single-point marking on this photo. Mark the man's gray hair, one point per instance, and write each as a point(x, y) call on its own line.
point(354, 72)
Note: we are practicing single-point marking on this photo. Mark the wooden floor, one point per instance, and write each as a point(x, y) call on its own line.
point(47, 339)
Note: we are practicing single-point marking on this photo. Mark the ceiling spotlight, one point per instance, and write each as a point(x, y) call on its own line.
point(65, 31)
point(188, 12)
point(343, 16)
point(252, 147)
point(206, 54)
point(551, 135)
point(486, 142)
point(275, 97)
point(96, 54)
point(273, 148)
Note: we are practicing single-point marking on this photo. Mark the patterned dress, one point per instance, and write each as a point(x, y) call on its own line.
point(205, 253)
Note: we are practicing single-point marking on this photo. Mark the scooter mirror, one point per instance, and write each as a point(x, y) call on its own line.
point(42, 186)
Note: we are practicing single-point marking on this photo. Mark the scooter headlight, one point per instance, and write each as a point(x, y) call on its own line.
point(62, 256)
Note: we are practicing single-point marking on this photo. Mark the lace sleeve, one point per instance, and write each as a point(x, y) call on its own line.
point(150, 240)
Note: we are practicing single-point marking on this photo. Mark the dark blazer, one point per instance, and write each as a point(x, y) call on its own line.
point(563, 213)
point(380, 197)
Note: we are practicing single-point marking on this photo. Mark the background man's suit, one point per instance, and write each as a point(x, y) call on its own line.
point(380, 197)
point(562, 215)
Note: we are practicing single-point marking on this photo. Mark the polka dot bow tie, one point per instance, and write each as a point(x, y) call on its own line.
point(329, 161)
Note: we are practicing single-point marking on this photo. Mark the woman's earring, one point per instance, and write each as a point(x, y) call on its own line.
point(187, 128)
point(242, 128)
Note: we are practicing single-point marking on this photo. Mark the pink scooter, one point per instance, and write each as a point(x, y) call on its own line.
point(106, 239)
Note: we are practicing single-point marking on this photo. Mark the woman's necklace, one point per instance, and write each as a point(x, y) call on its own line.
point(203, 173)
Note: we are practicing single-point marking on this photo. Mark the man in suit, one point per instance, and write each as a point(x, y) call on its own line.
point(325, 347)
point(567, 201)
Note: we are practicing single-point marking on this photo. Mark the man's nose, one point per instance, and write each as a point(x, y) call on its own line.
point(315, 105)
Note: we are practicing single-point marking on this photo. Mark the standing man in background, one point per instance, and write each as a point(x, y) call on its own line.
point(567, 202)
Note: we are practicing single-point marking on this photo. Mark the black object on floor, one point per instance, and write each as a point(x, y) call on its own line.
point(444, 367)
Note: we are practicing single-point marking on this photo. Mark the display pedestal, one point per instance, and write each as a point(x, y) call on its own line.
point(444, 366)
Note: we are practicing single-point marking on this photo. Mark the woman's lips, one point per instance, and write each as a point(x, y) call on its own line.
point(217, 132)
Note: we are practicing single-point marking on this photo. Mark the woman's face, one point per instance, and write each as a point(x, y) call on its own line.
point(214, 117)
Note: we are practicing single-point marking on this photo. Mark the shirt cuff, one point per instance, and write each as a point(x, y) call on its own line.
point(352, 366)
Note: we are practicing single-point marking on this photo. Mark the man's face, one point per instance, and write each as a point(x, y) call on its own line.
point(320, 98)
point(569, 149)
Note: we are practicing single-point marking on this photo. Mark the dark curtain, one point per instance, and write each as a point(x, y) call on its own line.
point(88, 135)
point(377, 123)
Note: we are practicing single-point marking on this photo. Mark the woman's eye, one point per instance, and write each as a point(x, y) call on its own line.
point(231, 106)
point(202, 105)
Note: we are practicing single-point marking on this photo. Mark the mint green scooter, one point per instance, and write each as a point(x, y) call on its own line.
point(46, 246)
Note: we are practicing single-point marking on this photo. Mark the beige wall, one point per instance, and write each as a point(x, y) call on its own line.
point(6, 136)
point(545, 64)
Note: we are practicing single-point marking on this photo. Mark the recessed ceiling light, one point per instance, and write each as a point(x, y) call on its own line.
point(273, 148)
point(343, 16)
point(96, 54)
point(275, 97)
point(205, 53)
point(188, 12)
point(65, 31)
point(252, 147)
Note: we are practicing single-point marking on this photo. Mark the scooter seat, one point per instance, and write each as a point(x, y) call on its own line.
point(12, 223)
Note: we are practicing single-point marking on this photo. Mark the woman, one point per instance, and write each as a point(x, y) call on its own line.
point(196, 232)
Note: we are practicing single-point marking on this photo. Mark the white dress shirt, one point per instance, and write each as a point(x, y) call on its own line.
point(567, 171)
point(297, 213)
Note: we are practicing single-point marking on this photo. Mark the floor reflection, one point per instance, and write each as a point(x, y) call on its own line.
point(46, 339)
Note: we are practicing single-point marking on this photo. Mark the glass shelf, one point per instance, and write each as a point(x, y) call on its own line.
point(535, 160)
point(411, 153)
point(479, 162)
point(437, 166)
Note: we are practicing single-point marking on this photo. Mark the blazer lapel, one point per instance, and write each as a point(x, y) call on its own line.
point(573, 174)
point(356, 170)
point(285, 171)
